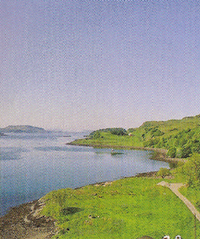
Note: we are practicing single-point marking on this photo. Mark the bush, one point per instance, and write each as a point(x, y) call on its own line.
point(59, 197)
point(151, 143)
point(96, 135)
point(186, 152)
point(172, 152)
point(163, 172)
point(118, 131)
point(196, 146)
point(156, 132)
point(191, 170)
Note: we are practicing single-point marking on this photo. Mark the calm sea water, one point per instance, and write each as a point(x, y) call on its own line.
point(32, 165)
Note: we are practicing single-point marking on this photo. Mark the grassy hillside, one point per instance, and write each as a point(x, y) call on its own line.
point(127, 208)
point(181, 138)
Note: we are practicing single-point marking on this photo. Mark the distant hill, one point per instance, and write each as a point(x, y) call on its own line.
point(22, 129)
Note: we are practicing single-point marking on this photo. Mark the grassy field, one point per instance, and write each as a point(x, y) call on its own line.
point(126, 208)
point(108, 139)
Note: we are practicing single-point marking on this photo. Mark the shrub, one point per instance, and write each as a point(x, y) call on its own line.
point(186, 152)
point(163, 172)
point(191, 170)
point(156, 132)
point(182, 141)
point(171, 152)
point(96, 135)
point(151, 143)
point(118, 131)
point(196, 146)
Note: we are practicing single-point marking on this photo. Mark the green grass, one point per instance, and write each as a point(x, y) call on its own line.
point(108, 139)
point(193, 195)
point(127, 208)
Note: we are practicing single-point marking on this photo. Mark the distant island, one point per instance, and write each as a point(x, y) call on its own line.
point(21, 129)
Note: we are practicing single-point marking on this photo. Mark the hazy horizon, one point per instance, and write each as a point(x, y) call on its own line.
point(85, 65)
point(88, 130)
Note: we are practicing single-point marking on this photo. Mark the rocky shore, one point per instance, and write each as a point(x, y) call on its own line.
point(25, 222)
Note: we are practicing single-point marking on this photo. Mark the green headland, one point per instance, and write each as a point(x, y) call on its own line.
point(178, 138)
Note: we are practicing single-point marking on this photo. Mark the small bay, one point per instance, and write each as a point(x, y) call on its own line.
point(34, 164)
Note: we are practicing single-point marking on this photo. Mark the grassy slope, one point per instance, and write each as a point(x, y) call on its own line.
point(108, 139)
point(193, 195)
point(154, 134)
point(128, 208)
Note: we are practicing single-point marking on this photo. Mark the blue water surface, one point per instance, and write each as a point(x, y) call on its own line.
point(32, 165)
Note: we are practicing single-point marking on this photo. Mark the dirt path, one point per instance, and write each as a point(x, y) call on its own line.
point(175, 189)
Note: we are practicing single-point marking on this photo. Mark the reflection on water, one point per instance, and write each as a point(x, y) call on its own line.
point(32, 165)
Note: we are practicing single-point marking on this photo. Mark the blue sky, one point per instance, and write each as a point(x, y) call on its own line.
point(78, 65)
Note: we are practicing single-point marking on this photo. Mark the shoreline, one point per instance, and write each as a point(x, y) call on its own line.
point(161, 154)
point(25, 222)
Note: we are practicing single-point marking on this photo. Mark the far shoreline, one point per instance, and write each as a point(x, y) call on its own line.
point(161, 154)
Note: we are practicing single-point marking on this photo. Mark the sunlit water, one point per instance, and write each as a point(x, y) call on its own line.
point(32, 165)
